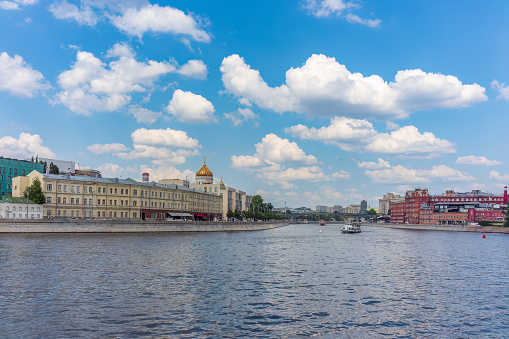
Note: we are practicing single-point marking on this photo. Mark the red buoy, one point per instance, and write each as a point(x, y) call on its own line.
point(484, 236)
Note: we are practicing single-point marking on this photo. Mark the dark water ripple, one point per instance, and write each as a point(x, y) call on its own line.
point(288, 282)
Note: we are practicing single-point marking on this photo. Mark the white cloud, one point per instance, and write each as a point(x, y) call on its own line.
point(194, 69)
point(355, 19)
point(120, 50)
point(325, 8)
point(190, 107)
point(499, 177)
point(17, 77)
point(359, 135)
point(167, 172)
point(8, 5)
point(477, 160)
point(150, 152)
point(313, 173)
point(275, 150)
point(164, 137)
point(25, 146)
point(144, 115)
point(153, 18)
point(402, 175)
point(247, 161)
point(391, 126)
point(107, 148)
point(91, 85)
point(373, 165)
point(502, 89)
point(66, 11)
point(116, 171)
point(325, 88)
point(240, 116)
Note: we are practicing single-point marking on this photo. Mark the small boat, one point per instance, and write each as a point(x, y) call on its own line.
point(351, 228)
point(321, 223)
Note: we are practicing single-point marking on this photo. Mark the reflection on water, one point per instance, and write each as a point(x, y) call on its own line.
point(287, 282)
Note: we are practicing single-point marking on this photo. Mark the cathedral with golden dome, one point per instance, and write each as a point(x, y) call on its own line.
point(204, 175)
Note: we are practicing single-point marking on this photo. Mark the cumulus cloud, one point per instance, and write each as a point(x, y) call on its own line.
point(92, 85)
point(477, 160)
point(190, 107)
point(273, 150)
point(373, 165)
point(355, 19)
point(151, 152)
point(194, 69)
point(157, 19)
point(18, 78)
point(26, 146)
point(164, 137)
point(107, 148)
point(325, 88)
point(360, 136)
point(241, 116)
point(166, 172)
point(325, 8)
point(499, 177)
point(502, 89)
point(66, 11)
point(116, 171)
point(120, 50)
point(402, 175)
point(144, 115)
point(9, 5)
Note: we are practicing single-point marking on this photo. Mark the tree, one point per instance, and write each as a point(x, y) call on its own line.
point(229, 214)
point(506, 220)
point(389, 212)
point(372, 211)
point(236, 214)
point(53, 169)
point(34, 192)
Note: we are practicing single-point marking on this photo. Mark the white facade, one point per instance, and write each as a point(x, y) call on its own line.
point(17, 210)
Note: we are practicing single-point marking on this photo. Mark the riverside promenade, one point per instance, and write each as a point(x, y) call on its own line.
point(451, 228)
point(128, 226)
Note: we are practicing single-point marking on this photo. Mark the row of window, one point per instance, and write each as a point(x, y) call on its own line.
point(77, 189)
point(11, 171)
point(21, 208)
point(90, 214)
point(21, 216)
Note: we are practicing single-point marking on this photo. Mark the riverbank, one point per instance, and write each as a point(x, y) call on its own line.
point(452, 228)
point(128, 226)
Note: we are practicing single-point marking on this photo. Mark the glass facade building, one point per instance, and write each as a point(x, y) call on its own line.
point(10, 168)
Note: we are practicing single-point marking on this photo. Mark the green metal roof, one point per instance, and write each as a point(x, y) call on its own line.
point(16, 200)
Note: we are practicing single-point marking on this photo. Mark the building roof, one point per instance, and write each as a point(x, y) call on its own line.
point(16, 200)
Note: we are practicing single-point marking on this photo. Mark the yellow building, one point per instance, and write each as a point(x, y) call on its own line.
point(86, 197)
point(232, 199)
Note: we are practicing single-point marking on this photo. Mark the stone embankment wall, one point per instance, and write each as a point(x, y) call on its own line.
point(126, 226)
point(455, 228)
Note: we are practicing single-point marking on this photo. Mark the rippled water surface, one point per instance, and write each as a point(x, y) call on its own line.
point(288, 282)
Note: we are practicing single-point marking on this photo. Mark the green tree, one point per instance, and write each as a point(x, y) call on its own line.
point(53, 169)
point(372, 211)
point(34, 192)
point(236, 214)
point(229, 214)
point(389, 212)
point(506, 220)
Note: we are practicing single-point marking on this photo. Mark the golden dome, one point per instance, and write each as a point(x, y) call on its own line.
point(204, 171)
point(221, 183)
point(208, 181)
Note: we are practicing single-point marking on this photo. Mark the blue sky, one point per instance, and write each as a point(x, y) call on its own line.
point(304, 102)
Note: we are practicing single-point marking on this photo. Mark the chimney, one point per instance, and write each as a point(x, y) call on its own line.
point(505, 195)
point(145, 177)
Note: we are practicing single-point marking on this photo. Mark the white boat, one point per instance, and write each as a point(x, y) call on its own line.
point(351, 228)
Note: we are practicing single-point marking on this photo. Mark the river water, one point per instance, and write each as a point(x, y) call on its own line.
point(292, 281)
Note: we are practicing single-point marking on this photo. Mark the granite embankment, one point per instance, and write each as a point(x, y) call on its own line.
point(128, 226)
point(453, 228)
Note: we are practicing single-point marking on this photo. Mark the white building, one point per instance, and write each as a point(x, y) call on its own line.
point(16, 208)
point(384, 205)
point(321, 208)
point(63, 165)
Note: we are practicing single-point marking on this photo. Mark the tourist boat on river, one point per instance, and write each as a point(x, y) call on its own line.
point(321, 223)
point(350, 227)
